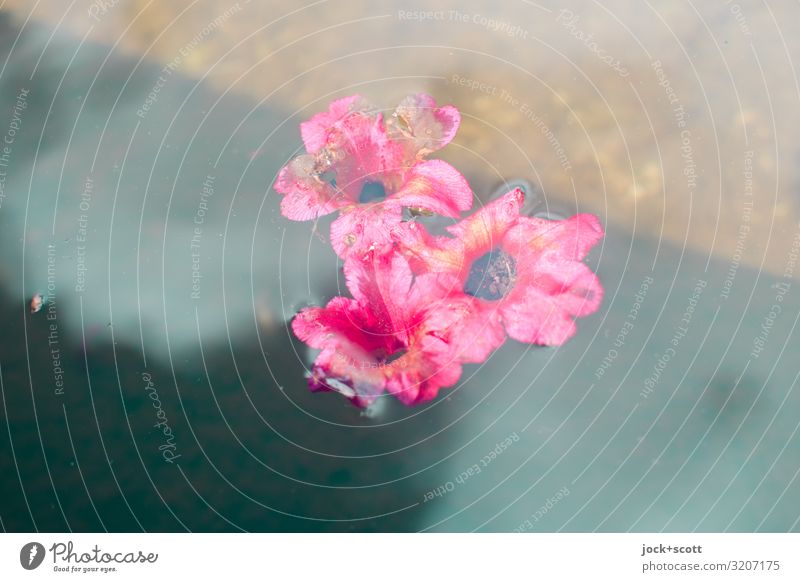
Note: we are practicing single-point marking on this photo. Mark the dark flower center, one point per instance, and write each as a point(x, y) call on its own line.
point(372, 192)
point(491, 276)
point(329, 177)
point(392, 358)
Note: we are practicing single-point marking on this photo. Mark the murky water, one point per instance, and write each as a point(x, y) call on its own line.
point(137, 196)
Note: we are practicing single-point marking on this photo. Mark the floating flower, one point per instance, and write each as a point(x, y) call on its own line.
point(369, 173)
point(390, 338)
point(422, 305)
point(504, 274)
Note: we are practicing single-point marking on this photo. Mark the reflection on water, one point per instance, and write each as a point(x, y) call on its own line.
point(549, 104)
point(138, 198)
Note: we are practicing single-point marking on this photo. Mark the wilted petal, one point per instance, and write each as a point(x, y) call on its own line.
point(352, 373)
point(422, 126)
point(315, 130)
point(306, 196)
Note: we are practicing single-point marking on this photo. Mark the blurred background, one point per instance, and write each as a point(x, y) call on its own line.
point(160, 389)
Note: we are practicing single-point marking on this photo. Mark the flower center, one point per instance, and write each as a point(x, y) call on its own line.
point(329, 177)
point(372, 192)
point(491, 276)
point(392, 358)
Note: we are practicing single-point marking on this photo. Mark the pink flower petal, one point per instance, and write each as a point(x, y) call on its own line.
point(485, 229)
point(352, 347)
point(435, 186)
point(572, 238)
point(474, 327)
point(306, 197)
point(417, 377)
point(427, 253)
point(541, 308)
point(342, 321)
point(381, 283)
point(361, 227)
point(362, 151)
point(315, 130)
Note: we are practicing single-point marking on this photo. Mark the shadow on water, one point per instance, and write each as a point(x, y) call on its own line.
point(246, 446)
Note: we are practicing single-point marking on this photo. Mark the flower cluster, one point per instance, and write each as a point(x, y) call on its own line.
point(422, 304)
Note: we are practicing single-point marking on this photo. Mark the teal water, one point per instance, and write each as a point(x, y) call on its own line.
point(183, 404)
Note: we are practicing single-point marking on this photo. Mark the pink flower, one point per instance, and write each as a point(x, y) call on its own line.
point(369, 172)
point(422, 305)
point(506, 274)
point(390, 338)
